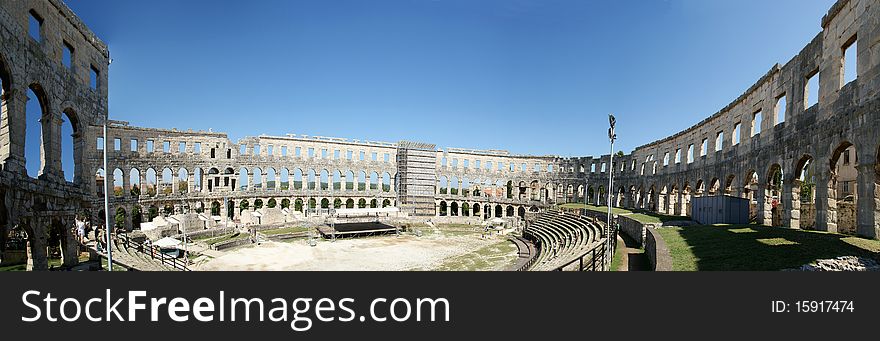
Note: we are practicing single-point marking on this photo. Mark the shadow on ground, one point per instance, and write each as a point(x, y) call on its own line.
point(752, 247)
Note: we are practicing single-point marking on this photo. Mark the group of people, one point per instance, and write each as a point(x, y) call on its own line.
point(83, 227)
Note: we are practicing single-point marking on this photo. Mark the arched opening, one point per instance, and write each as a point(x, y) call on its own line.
point(453, 209)
point(453, 185)
point(386, 203)
point(374, 181)
point(337, 180)
point(297, 179)
point(230, 209)
point(662, 200)
point(362, 181)
point(686, 199)
point(167, 185)
point(374, 203)
point(349, 181)
point(522, 212)
point(243, 178)
point(271, 179)
point(443, 209)
point(466, 210)
point(118, 183)
point(119, 218)
point(728, 185)
point(136, 217)
point(325, 204)
point(298, 205)
point(842, 189)
point(35, 110)
point(714, 186)
point(386, 182)
point(182, 181)
point(325, 181)
point(258, 179)
point(476, 210)
point(284, 179)
point(244, 205)
point(134, 180)
point(272, 203)
point(349, 203)
point(215, 208)
point(151, 182)
point(71, 146)
point(773, 197)
point(510, 211)
point(362, 203)
point(499, 211)
point(258, 204)
point(152, 212)
point(750, 188)
point(803, 195)
point(444, 183)
point(337, 203)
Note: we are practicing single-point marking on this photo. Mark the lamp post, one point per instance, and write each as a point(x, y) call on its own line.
point(611, 137)
point(107, 230)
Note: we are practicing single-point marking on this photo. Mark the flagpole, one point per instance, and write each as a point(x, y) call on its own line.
point(107, 205)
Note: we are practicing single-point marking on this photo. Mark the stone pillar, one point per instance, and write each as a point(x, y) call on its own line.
point(867, 215)
point(792, 203)
point(69, 244)
point(764, 209)
point(37, 243)
point(191, 182)
point(263, 181)
point(126, 185)
point(825, 218)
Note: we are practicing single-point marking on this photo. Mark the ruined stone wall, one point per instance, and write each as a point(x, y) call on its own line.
point(44, 206)
point(846, 115)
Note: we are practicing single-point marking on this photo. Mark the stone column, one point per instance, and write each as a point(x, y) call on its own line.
point(792, 203)
point(126, 185)
point(867, 215)
point(191, 181)
point(69, 244)
point(37, 243)
point(825, 216)
point(764, 210)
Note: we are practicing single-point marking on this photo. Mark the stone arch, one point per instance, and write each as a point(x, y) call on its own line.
point(71, 145)
point(444, 184)
point(298, 205)
point(271, 179)
point(803, 194)
point(167, 181)
point(714, 187)
point(773, 208)
point(349, 181)
point(182, 182)
point(297, 179)
point(499, 211)
point(349, 203)
point(312, 180)
point(510, 211)
point(362, 203)
point(134, 181)
point(284, 180)
point(118, 182)
point(374, 181)
point(257, 179)
point(842, 198)
point(37, 119)
point(362, 181)
point(325, 180)
point(729, 185)
point(444, 210)
point(243, 178)
point(453, 209)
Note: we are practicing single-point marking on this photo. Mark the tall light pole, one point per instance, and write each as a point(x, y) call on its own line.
point(611, 137)
point(107, 205)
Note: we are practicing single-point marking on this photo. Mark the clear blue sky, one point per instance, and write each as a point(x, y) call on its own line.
point(529, 76)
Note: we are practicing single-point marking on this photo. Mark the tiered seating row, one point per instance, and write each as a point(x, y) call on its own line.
point(562, 238)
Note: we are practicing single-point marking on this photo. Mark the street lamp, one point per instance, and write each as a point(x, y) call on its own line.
point(611, 137)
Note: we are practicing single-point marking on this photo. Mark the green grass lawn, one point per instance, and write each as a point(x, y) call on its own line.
point(618, 256)
point(225, 237)
point(497, 256)
point(753, 247)
point(641, 216)
point(285, 230)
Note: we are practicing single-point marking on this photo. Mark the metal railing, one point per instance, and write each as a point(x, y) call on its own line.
point(155, 254)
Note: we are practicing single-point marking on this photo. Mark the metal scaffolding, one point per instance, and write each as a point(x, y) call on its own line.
point(416, 177)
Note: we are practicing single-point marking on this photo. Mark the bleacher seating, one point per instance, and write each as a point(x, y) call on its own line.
point(561, 239)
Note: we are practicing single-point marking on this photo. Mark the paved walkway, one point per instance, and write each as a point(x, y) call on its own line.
point(634, 259)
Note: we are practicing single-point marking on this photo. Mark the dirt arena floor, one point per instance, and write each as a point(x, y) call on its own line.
point(435, 250)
